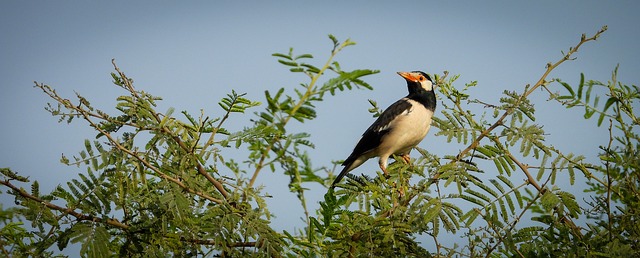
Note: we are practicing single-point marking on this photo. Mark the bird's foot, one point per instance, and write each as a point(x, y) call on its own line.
point(384, 170)
point(406, 158)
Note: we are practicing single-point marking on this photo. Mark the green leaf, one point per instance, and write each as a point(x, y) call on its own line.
point(568, 87)
point(13, 175)
point(581, 86)
point(35, 188)
point(311, 68)
point(435, 206)
point(503, 210)
point(587, 96)
point(506, 165)
point(487, 151)
point(287, 63)
point(303, 56)
point(488, 190)
point(470, 216)
point(334, 40)
point(93, 239)
point(485, 198)
point(499, 166)
point(549, 200)
point(569, 201)
point(282, 56)
point(608, 104)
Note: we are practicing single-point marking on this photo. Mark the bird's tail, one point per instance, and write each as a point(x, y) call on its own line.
point(349, 164)
point(343, 173)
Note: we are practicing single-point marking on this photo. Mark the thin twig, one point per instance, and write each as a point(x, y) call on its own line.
point(607, 166)
point(525, 169)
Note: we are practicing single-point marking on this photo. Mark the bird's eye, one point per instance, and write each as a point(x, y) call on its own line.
point(421, 78)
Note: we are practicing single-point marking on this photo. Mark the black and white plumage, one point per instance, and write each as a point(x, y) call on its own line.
point(399, 128)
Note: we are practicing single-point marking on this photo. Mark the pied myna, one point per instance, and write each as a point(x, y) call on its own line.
point(399, 128)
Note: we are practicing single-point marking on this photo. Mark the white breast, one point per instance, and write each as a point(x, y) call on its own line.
point(407, 130)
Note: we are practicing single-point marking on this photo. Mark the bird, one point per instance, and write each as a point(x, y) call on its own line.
point(400, 127)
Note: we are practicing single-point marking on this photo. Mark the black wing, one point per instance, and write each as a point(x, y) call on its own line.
point(373, 135)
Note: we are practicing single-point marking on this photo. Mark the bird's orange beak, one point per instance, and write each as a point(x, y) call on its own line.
point(408, 76)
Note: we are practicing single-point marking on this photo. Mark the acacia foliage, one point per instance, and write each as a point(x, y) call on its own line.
point(160, 184)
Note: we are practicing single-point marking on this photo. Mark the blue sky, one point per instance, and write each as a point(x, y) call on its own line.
point(192, 54)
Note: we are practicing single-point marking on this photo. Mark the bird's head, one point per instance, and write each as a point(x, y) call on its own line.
point(417, 80)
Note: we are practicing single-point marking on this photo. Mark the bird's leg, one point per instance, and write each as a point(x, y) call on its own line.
point(384, 169)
